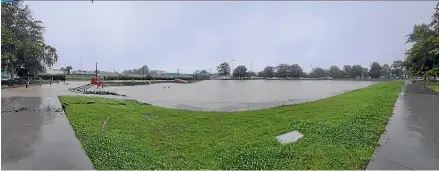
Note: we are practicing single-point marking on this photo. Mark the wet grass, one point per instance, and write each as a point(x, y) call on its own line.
point(340, 132)
point(434, 87)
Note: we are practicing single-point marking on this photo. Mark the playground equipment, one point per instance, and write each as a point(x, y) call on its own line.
point(96, 82)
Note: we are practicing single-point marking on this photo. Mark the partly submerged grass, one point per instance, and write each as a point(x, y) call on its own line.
point(340, 132)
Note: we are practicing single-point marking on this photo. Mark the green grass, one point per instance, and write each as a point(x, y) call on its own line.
point(341, 132)
point(434, 87)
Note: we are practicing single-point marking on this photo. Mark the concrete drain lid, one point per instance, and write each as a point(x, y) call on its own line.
point(289, 137)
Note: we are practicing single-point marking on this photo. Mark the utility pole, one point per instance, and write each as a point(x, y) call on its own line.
point(233, 65)
point(143, 68)
point(96, 71)
point(178, 73)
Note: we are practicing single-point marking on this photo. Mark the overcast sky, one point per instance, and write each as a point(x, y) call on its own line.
point(200, 35)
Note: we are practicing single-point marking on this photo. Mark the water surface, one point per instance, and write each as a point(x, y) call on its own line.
point(235, 95)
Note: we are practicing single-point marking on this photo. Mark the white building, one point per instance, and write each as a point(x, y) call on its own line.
point(54, 71)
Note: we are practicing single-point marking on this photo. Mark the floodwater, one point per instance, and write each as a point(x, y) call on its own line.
point(236, 95)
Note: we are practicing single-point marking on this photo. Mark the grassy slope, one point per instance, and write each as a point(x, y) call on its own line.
point(341, 132)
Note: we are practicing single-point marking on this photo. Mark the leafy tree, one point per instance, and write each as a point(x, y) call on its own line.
point(422, 58)
point(223, 69)
point(283, 70)
point(295, 71)
point(347, 69)
point(251, 74)
point(240, 71)
point(204, 73)
point(397, 68)
point(357, 71)
point(63, 70)
point(375, 70)
point(261, 74)
point(365, 73)
point(305, 75)
point(317, 73)
point(23, 46)
point(335, 72)
point(68, 69)
point(268, 72)
point(386, 71)
point(142, 70)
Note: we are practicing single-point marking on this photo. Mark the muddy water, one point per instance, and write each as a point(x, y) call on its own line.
point(235, 95)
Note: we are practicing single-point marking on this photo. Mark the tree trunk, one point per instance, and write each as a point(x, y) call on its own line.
point(11, 70)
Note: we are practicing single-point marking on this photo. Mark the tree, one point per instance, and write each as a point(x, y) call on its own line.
point(386, 71)
point(204, 73)
point(223, 69)
point(251, 74)
point(283, 70)
point(375, 70)
point(23, 46)
point(240, 71)
point(63, 70)
point(261, 74)
point(317, 73)
point(422, 58)
point(68, 69)
point(365, 73)
point(335, 72)
point(295, 71)
point(143, 70)
point(347, 69)
point(397, 68)
point(357, 71)
point(268, 72)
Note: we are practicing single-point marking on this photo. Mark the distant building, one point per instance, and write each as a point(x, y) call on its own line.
point(81, 72)
point(156, 73)
point(53, 71)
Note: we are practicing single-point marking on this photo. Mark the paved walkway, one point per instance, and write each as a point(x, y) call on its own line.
point(411, 140)
point(36, 133)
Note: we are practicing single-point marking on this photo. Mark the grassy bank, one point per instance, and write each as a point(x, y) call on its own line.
point(434, 87)
point(341, 132)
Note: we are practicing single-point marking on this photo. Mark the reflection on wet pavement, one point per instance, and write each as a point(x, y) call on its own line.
point(36, 134)
point(411, 140)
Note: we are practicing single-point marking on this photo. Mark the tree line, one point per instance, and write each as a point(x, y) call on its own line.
point(143, 70)
point(422, 59)
point(395, 70)
point(23, 51)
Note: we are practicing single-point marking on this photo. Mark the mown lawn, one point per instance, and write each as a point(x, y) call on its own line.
point(434, 87)
point(341, 132)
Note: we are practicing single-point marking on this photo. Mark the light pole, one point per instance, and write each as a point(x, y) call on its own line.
point(233, 66)
point(96, 71)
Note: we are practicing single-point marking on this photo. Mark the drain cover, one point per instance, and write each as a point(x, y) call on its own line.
point(289, 137)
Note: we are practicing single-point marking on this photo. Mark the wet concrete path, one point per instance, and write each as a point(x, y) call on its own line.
point(36, 133)
point(411, 140)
